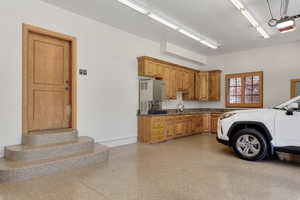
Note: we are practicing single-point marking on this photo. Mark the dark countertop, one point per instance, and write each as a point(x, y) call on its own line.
point(193, 111)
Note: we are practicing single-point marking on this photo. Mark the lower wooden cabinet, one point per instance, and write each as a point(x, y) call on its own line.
point(153, 129)
point(214, 122)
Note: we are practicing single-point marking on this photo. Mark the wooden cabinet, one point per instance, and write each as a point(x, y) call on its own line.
point(195, 85)
point(154, 129)
point(214, 122)
point(208, 86)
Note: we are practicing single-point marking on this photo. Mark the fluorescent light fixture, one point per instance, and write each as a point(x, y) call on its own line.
point(163, 21)
point(189, 34)
point(285, 24)
point(134, 6)
point(237, 4)
point(263, 32)
point(250, 18)
point(209, 44)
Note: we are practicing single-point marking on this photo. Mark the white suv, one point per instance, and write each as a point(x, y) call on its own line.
point(255, 134)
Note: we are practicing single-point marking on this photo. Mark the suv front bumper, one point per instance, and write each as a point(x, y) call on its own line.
point(225, 142)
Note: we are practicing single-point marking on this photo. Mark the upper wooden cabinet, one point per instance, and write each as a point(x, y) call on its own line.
point(194, 85)
point(208, 86)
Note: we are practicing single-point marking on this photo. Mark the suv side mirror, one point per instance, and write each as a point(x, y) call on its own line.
point(289, 112)
point(291, 108)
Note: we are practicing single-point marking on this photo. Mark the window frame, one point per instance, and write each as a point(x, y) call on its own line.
point(243, 76)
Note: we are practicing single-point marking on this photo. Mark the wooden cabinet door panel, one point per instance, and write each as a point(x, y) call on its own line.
point(172, 84)
point(203, 86)
point(206, 123)
point(214, 85)
point(214, 122)
point(149, 68)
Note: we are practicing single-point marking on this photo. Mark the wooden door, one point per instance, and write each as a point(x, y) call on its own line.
point(295, 87)
point(48, 81)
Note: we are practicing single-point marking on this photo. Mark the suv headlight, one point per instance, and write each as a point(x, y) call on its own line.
point(227, 115)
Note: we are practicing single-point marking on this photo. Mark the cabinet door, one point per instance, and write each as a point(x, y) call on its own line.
point(167, 81)
point(159, 70)
point(214, 85)
point(206, 123)
point(149, 68)
point(172, 83)
point(179, 127)
point(158, 128)
point(170, 128)
point(179, 80)
point(214, 122)
point(203, 86)
point(191, 88)
point(185, 84)
point(197, 124)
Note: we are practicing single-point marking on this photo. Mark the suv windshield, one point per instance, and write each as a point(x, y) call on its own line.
point(284, 105)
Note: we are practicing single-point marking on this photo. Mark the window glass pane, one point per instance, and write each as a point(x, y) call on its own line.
point(255, 80)
point(235, 99)
point(249, 80)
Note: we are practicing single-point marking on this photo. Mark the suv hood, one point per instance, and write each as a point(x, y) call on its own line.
point(250, 111)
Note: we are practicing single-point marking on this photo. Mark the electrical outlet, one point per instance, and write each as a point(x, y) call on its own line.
point(83, 72)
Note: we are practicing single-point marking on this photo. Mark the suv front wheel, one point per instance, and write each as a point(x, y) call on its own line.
point(250, 144)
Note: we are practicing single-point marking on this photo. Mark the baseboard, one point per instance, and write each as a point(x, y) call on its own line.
point(118, 141)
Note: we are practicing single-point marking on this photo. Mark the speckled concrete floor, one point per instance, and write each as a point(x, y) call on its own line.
point(191, 168)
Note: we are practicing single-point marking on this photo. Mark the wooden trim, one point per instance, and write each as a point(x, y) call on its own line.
point(293, 87)
point(243, 104)
point(142, 58)
point(26, 30)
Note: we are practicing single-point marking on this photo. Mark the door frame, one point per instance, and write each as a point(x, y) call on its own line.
point(26, 29)
point(293, 86)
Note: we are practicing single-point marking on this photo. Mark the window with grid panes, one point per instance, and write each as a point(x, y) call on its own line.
point(244, 90)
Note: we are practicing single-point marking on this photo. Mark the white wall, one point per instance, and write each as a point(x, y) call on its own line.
point(279, 63)
point(107, 97)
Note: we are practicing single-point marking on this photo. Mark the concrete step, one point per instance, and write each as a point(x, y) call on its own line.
point(23, 153)
point(14, 171)
point(41, 138)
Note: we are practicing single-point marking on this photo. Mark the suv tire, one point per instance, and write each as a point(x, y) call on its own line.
point(250, 144)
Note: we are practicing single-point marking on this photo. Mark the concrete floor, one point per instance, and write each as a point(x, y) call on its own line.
point(191, 168)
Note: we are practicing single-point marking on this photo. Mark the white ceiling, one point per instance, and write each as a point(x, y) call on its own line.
point(215, 19)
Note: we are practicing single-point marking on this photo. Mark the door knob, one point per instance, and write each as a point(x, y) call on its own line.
point(67, 88)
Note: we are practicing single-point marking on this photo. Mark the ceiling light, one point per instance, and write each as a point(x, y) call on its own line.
point(163, 21)
point(263, 32)
point(209, 44)
point(250, 18)
point(134, 6)
point(285, 24)
point(189, 34)
point(237, 4)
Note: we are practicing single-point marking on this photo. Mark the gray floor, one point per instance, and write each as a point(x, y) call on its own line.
point(191, 168)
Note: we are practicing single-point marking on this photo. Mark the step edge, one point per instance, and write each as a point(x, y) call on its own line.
point(32, 148)
point(96, 150)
